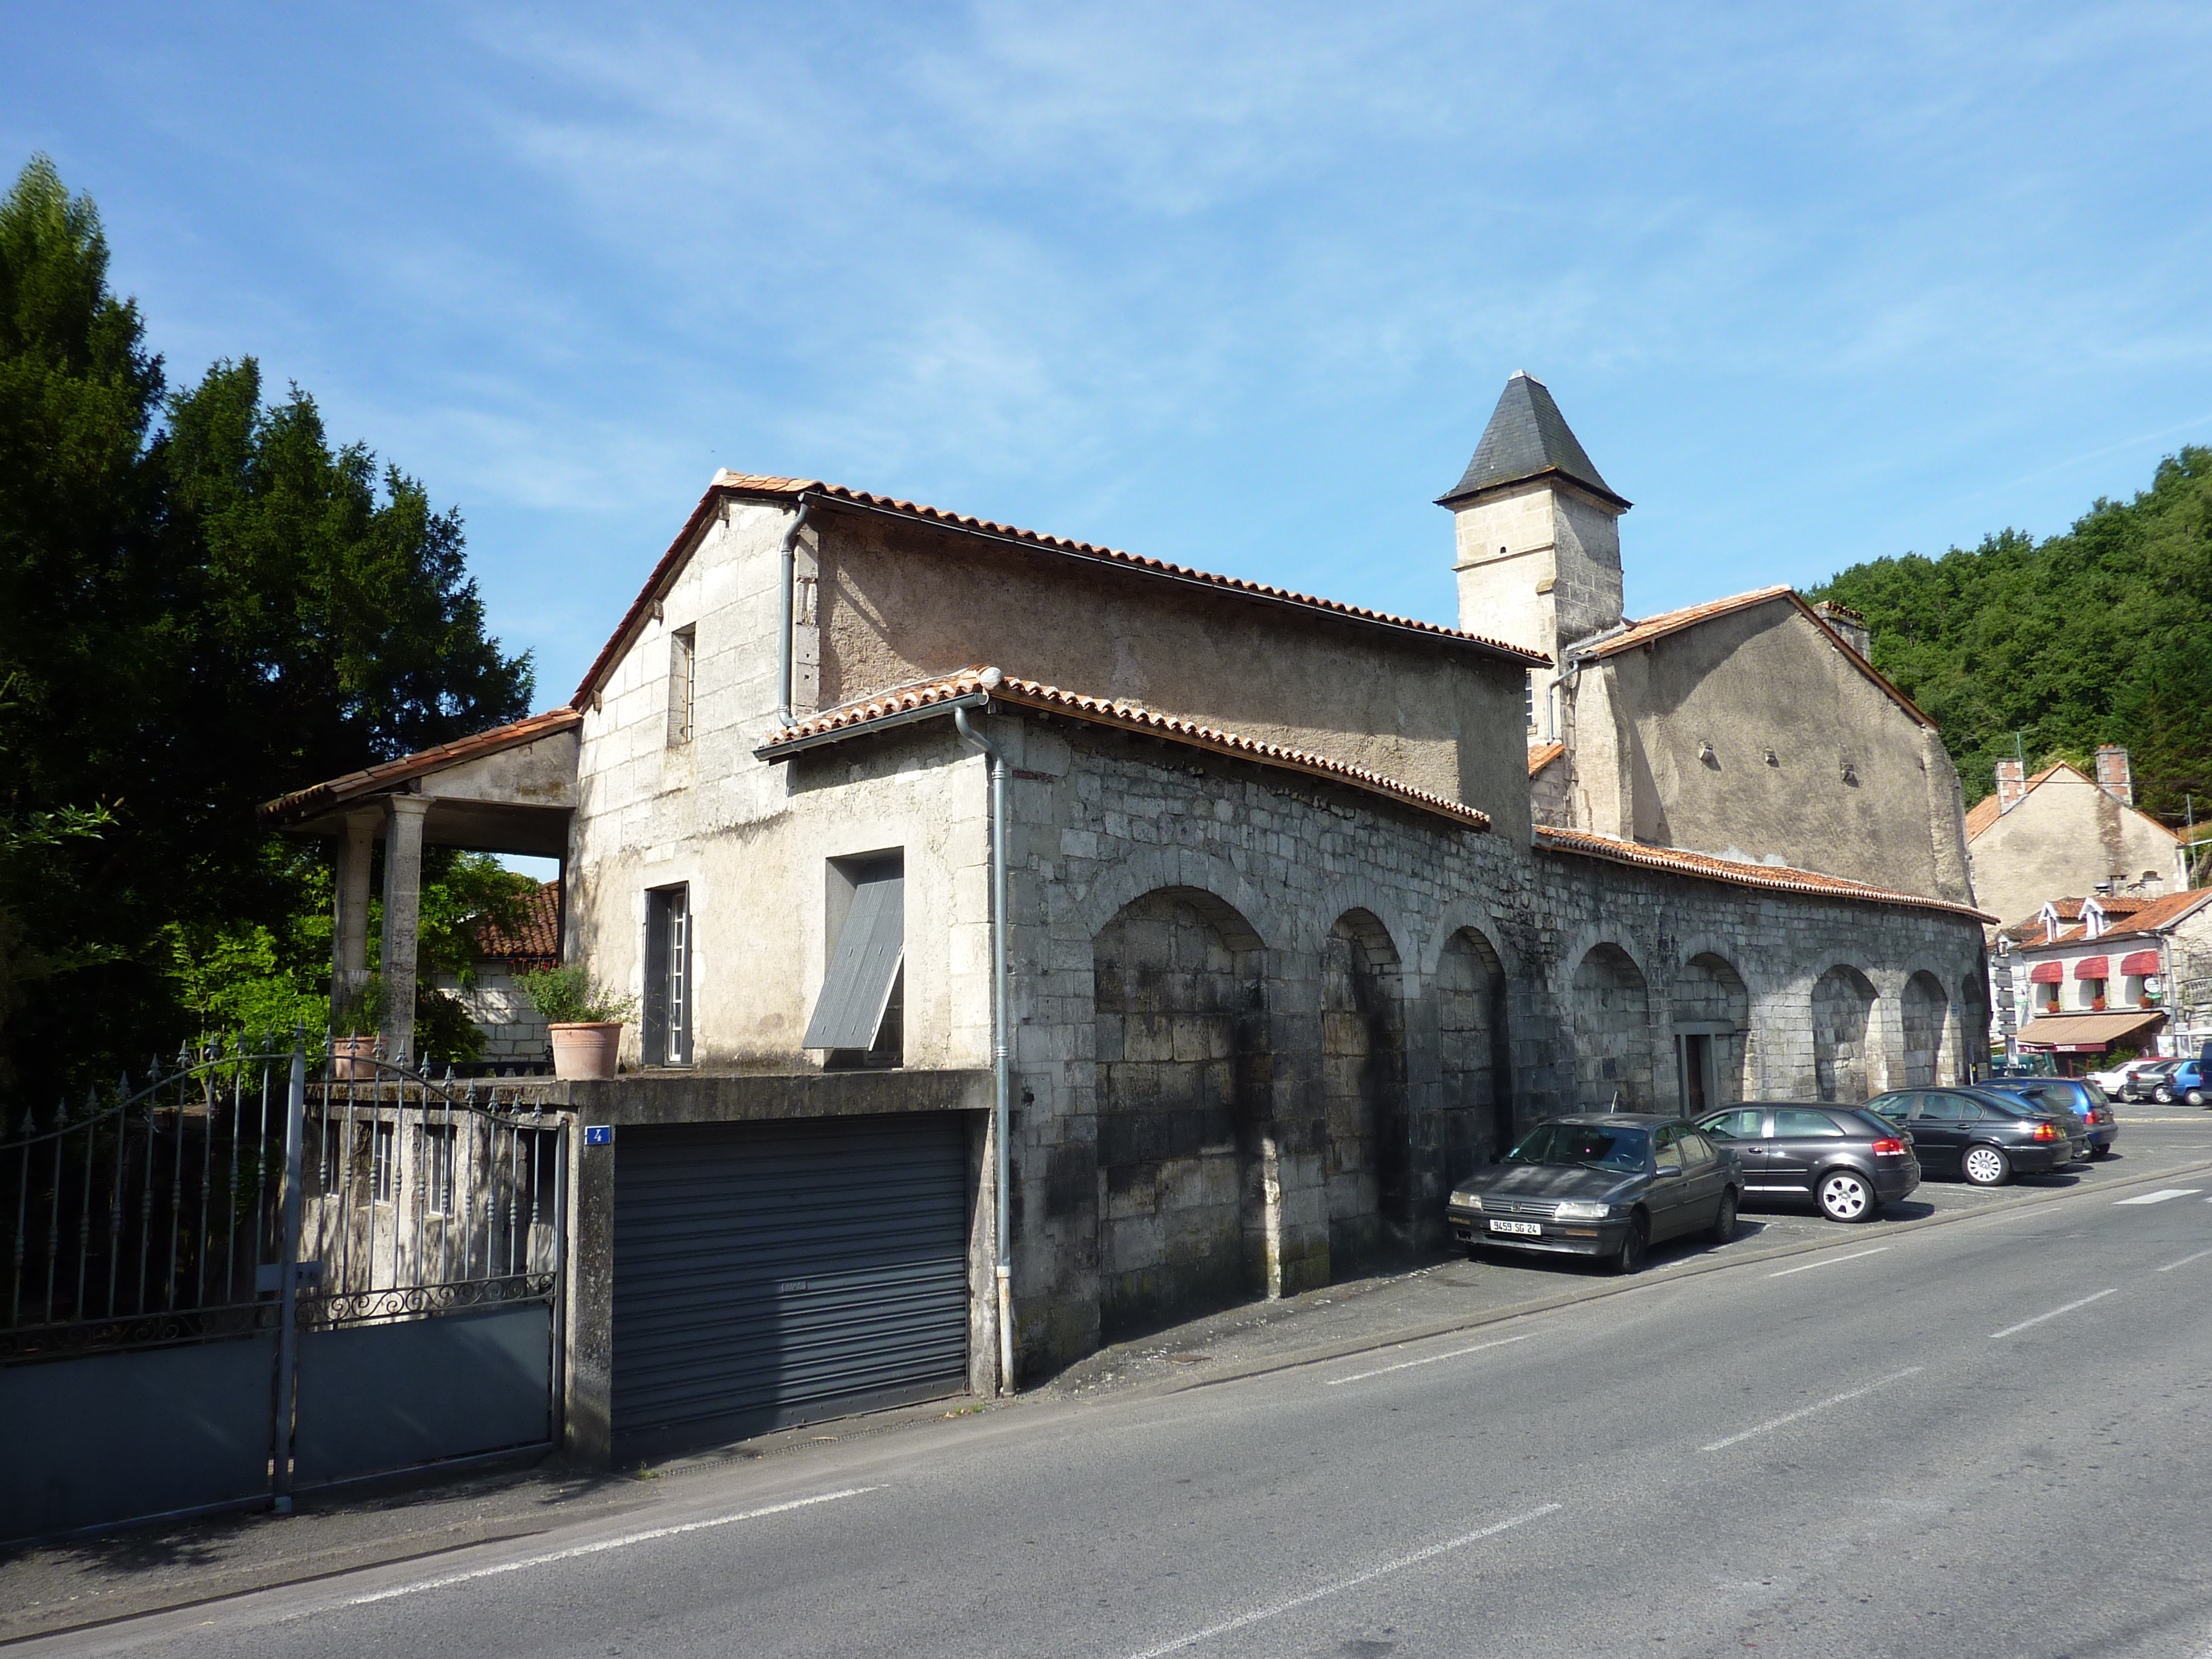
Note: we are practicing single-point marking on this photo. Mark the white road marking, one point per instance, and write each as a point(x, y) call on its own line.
point(605, 1544)
point(1830, 1262)
point(1806, 1410)
point(1342, 1584)
point(2054, 1313)
point(2158, 1197)
point(1409, 1365)
point(2186, 1260)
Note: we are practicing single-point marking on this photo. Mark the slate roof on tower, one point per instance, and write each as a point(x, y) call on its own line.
point(1527, 438)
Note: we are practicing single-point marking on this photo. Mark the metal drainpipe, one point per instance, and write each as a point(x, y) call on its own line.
point(1001, 1039)
point(790, 567)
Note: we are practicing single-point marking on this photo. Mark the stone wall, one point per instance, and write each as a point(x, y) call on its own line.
point(1403, 994)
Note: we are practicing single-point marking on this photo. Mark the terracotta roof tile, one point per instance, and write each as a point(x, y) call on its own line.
point(2155, 916)
point(537, 937)
point(1541, 755)
point(1674, 622)
point(1002, 687)
point(1772, 878)
point(320, 797)
point(745, 484)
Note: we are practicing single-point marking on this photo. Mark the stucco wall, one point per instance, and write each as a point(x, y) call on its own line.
point(1787, 717)
point(2066, 836)
point(901, 602)
point(1538, 565)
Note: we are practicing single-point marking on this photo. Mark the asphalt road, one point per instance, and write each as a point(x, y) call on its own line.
point(1984, 1439)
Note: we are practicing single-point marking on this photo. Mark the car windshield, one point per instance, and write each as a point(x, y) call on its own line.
point(1623, 1149)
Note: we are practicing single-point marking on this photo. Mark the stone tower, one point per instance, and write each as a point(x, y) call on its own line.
point(1538, 534)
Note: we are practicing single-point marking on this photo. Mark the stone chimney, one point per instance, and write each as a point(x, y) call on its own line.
point(1848, 625)
point(2114, 776)
point(2012, 784)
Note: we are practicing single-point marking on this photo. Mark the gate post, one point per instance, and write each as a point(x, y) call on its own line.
point(287, 1379)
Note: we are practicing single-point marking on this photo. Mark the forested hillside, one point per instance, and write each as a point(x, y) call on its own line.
point(2102, 635)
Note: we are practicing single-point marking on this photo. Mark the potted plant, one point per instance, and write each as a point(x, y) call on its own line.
point(584, 1018)
point(353, 1031)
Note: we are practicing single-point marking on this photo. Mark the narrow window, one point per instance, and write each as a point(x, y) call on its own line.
point(859, 1017)
point(1528, 699)
point(438, 1169)
point(668, 976)
point(683, 680)
point(384, 1161)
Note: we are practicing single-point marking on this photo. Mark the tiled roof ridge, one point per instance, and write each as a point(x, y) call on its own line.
point(1773, 878)
point(1123, 711)
point(765, 484)
point(1647, 629)
point(489, 741)
point(1541, 755)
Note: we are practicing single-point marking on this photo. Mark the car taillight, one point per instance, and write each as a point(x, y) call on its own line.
point(2047, 1131)
point(1887, 1147)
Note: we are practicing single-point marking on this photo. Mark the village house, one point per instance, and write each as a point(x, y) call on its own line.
point(1036, 941)
point(2089, 977)
point(2060, 832)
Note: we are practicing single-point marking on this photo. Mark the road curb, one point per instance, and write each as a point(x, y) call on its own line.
point(1694, 1269)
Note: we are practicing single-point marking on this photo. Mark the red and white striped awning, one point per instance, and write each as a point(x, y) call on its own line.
point(2046, 973)
point(2140, 962)
point(2093, 968)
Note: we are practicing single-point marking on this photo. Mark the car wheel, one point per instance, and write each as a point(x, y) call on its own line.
point(2194, 1097)
point(1985, 1166)
point(2096, 1152)
point(1724, 1223)
point(1633, 1244)
point(2162, 1095)
point(1847, 1195)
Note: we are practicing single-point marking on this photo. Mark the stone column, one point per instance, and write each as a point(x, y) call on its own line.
point(403, 911)
point(349, 917)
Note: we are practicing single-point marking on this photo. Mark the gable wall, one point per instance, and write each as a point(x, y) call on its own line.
point(2064, 838)
point(1766, 679)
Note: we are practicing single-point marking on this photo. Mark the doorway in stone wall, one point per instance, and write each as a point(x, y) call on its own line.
point(1183, 1077)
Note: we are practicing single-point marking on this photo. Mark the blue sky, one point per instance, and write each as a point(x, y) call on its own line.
point(1235, 286)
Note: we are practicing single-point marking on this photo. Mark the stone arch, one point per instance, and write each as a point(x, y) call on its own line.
point(1179, 983)
point(1924, 1010)
point(1711, 1012)
point(1367, 1150)
point(1474, 1117)
point(1612, 1032)
point(1153, 869)
point(1842, 1034)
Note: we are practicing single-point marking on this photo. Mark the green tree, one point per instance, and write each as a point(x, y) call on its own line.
point(202, 603)
point(2102, 635)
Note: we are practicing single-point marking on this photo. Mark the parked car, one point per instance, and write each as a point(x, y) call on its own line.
point(2080, 1096)
point(2171, 1080)
point(1606, 1184)
point(1986, 1135)
point(2113, 1081)
point(1848, 1162)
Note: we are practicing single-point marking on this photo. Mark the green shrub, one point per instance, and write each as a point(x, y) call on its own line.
point(569, 996)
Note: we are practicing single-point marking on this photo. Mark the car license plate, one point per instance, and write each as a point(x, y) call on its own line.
point(1528, 1227)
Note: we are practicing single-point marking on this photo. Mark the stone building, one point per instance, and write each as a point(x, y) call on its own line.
point(1287, 948)
point(2058, 832)
point(512, 1033)
point(2094, 977)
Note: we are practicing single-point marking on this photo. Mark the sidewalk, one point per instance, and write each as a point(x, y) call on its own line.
point(73, 1584)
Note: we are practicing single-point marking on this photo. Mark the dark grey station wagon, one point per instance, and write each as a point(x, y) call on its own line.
point(1606, 1184)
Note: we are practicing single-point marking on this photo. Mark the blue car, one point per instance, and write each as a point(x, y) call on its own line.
point(2085, 1100)
point(2181, 1080)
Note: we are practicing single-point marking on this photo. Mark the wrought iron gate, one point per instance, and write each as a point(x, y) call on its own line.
point(267, 1271)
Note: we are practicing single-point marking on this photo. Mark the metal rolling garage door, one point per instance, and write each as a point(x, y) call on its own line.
point(766, 1274)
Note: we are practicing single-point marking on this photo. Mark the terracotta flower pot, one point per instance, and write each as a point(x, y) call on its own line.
point(353, 1059)
point(586, 1049)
